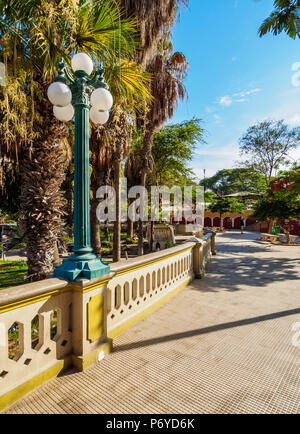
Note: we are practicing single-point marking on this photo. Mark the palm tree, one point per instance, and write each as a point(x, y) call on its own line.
point(128, 84)
point(285, 18)
point(32, 141)
point(132, 171)
point(155, 19)
point(41, 32)
point(168, 73)
point(132, 96)
point(101, 166)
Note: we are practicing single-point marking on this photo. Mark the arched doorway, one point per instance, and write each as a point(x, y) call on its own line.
point(237, 223)
point(217, 222)
point(227, 222)
point(296, 228)
point(250, 222)
point(207, 222)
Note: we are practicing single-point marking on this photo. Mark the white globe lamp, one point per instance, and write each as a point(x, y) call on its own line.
point(82, 62)
point(98, 117)
point(59, 94)
point(101, 99)
point(64, 114)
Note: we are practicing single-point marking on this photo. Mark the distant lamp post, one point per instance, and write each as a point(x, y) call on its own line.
point(88, 98)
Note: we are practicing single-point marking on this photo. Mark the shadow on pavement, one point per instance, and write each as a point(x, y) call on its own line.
point(231, 273)
point(205, 330)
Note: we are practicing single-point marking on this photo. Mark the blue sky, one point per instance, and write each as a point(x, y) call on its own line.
point(235, 77)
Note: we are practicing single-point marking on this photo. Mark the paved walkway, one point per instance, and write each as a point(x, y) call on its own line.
point(223, 345)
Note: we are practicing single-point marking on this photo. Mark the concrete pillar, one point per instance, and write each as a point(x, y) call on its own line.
point(89, 321)
point(213, 240)
point(213, 243)
point(198, 266)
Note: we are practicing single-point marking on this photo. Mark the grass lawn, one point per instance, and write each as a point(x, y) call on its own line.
point(12, 273)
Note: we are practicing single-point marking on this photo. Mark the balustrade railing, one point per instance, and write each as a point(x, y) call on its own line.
point(206, 249)
point(48, 325)
point(143, 282)
point(35, 330)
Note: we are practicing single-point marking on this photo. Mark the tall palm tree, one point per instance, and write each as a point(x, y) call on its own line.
point(132, 171)
point(128, 85)
point(285, 18)
point(41, 32)
point(101, 166)
point(155, 19)
point(131, 96)
point(32, 140)
point(168, 73)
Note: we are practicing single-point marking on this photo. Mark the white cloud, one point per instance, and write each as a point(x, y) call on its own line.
point(246, 93)
point(238, 97)
point(225, 101)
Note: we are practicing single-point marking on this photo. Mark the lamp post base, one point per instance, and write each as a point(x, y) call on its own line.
point(72, 269)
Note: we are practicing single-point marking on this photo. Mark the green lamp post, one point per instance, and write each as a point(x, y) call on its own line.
point(92, 100)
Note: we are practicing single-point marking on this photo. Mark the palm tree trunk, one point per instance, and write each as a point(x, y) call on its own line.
point(271, 225)
point(146, 164)
point(98, 179)
point(95, 229)
point(96, 182)
point(129, 228)
point(117, 223)
point(141, 223)
point(41, 199)
point(56, 258)
point(151, 236)
point(69, 196)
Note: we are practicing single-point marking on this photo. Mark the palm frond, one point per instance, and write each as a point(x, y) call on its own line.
point(129, 84)
point(103, 32)
point(283, 18)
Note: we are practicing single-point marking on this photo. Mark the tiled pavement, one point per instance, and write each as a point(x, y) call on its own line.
point(223, 345)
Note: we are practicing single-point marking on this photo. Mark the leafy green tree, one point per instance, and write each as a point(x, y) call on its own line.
point(172, 151)
point(209, 196)
point(285, 18)
point(287, 180)
point(226, 205)
point(282, 207)
point(230, 181)
point(267, 145)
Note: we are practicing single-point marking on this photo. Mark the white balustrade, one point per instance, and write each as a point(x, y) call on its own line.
point(207, 249)
point(142, 282)
point(34, 335)
point(36, 320)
